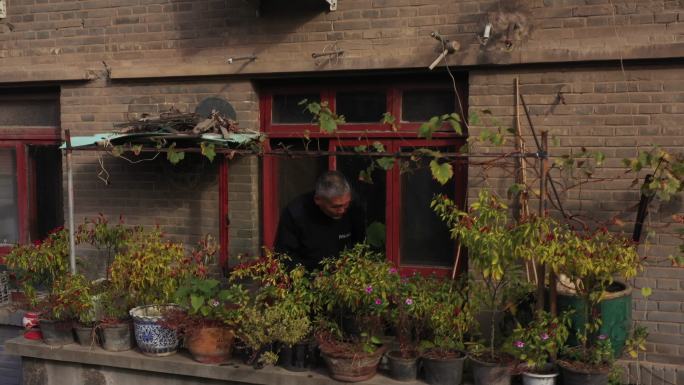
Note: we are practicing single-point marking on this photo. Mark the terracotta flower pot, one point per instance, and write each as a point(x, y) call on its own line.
point(210, 345)
point(356, 367)
point(572, 375)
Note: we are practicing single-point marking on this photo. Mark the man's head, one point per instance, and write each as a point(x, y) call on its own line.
point(333, 194)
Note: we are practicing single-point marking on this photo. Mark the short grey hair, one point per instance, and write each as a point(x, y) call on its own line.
point(332, 184)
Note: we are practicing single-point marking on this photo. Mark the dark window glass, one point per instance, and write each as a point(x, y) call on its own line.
point(297, 175)
point(29, 113)
point(361, 107)
point(9, 217)
point(371, 194)
point(425, 239)
point(421, 105)
point(287, 110)
point(48, 187)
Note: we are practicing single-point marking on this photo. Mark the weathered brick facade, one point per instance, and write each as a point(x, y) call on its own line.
point(616, 65)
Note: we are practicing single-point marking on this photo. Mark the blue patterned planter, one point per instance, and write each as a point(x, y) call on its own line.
point(152, 338)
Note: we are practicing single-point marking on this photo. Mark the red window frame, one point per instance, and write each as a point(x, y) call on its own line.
point(405, 135)
point(20, 139)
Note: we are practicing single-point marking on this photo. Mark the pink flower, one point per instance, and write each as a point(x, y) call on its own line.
point(409, 301)
point(602, 337)
point(214, 303)
point(519, 344)
point(544, 336)
point(393, 270)
point(378, 301)
point(369, 289)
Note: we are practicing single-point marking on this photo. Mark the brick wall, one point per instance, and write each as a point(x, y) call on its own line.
point(182, 199)
point(618, 113)
point(163, 37)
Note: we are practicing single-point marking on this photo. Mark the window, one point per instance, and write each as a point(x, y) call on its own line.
point(415, 238)
point(30, 166)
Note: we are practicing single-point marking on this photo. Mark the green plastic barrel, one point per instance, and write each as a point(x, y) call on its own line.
point(615, 310)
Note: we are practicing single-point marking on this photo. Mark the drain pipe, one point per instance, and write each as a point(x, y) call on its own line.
point(70, 203)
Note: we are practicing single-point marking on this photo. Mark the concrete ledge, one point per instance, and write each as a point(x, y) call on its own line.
point(179, 364)
point(10, 316)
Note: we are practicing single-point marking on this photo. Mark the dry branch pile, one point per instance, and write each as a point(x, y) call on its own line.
point(176, 122)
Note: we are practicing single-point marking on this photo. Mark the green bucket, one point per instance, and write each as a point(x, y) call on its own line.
point(615, 311)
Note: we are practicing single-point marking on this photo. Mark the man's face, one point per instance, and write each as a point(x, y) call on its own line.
point(333, 207)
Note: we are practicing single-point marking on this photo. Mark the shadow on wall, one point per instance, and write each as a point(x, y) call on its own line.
point(245, 27)
point(181, 199)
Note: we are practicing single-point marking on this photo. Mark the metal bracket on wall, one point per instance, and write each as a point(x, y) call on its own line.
point(333, 4)
point(3, 9)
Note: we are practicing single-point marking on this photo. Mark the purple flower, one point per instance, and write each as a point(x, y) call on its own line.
point(602, 337)
point(393, 270)
point(519, 344)
point(369, 289)
point(544, 336)
point(378, 301)
point(409, 301)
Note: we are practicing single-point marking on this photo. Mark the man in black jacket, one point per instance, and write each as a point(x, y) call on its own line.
point(321, 223)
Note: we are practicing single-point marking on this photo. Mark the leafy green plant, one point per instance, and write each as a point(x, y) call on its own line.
point(105, 237)
point(357, 286)
point(279, 307)
point(486, 230)
point(41, 264)
point(323, 115)
point(597, 356)
point(207, 303)
point(150, 268)
point(448, 314)
point(540, 340)
point(69, 299)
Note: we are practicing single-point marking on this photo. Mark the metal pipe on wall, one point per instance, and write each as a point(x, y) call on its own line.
point(70, 203)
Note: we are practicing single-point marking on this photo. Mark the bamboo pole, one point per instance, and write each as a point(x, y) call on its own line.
point(543, 171)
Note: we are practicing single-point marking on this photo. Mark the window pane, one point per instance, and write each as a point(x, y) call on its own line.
point(286, 108)
point(36, 113)
point(361, 107)
point(9, 217)
point(48, 188)
point(421, 105)
point(297, 176)
point(425, 239)
point(370, 193)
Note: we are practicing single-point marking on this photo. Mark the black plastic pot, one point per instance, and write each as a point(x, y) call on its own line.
point(443, 371)
point(84, 335)
point(402, 369)
point(57, 332)
point(486, 373)
point(571, 376)
point(300, 357)
point(116, 337)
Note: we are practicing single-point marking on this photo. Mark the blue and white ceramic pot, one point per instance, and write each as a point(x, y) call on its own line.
point(152, 338)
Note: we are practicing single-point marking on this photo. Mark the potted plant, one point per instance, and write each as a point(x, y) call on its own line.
point(449, 318)
point(149, 270)
point(67, 299)
point(209, 318)
point(277, 312)
point(115, 326)
point(407, 316)
point(537, 343)
point(487, 232)
point(358, 284)
point(592, 261)
point(83, 303)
